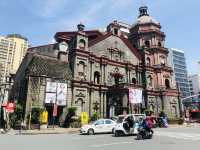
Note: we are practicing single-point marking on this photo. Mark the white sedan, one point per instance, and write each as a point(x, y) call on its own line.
point(99, 126)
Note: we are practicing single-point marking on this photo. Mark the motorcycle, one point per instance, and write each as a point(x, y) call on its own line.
point(144, 134)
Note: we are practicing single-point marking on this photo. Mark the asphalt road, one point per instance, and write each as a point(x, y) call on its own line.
point(164, 139)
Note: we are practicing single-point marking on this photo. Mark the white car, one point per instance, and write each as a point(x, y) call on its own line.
point(123, 129)
point(99, 126)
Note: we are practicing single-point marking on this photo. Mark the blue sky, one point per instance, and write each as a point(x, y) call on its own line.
point(39, 20)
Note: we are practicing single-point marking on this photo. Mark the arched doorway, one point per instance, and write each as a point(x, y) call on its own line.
point(80, 106)
point(167, 83)
point(97, 77)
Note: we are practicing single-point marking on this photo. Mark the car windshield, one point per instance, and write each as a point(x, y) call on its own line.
point(99, 122)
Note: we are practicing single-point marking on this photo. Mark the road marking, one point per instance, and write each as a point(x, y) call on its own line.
point(184, 136)
point(89, 137)
point(110, 144)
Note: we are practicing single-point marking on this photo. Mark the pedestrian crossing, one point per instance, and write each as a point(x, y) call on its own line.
point(179, 135)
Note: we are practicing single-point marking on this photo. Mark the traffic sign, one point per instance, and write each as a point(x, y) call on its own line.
point(10, 107)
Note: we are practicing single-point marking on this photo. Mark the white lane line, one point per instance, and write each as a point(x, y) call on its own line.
point(89, 137)
point(110, 144)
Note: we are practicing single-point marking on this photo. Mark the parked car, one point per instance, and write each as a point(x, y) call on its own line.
point(128, 124)
point(99, 126)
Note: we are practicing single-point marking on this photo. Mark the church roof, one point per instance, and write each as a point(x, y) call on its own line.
point(126, 42)
point(92, 34)
point(50, 67)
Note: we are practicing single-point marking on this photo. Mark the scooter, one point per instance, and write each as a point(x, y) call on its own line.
point(144, 134)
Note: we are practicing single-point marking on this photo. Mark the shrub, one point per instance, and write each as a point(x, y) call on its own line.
point(72, 110)
point(17, 116)
point(70, 114)
point(95, 116)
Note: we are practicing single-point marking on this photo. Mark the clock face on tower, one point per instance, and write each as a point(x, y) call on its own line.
point(63, 47)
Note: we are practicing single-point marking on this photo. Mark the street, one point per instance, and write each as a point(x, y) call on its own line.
point(172, 138)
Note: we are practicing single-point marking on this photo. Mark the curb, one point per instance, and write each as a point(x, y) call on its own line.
point(52, 132)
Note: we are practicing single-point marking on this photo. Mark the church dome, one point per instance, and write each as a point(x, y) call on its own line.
point(144, 17)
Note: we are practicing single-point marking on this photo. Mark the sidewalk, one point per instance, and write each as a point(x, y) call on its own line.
point(44, 131)
point(184, 125)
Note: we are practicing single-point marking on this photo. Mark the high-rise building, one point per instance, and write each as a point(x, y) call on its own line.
point(13, 48)
point(178, 61)
point(194, 81)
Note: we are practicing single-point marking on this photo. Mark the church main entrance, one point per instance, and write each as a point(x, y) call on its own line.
point(117, 102)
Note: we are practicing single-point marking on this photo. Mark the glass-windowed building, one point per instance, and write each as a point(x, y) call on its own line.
point(178, 61)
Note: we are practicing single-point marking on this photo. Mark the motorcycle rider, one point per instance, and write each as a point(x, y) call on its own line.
point(147, 124)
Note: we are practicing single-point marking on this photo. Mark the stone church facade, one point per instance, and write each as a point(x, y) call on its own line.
point(104, 65)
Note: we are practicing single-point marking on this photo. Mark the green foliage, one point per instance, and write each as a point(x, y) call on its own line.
point(35, 115)
point(95, 116)
point(72, 110)
point(70, 114)
point(35, 118)
point(17, 116)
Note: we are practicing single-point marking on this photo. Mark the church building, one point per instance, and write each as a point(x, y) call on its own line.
point(99, 69)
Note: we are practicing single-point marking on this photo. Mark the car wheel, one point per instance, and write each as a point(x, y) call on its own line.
point(116, 134)
point(139, 137)
point(90, 132)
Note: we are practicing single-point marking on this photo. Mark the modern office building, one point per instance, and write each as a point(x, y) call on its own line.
point(194, 81)
point(13, 48)
point(178, 61)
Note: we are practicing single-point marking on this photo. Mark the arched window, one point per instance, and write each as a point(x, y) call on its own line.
point(82, 44)
point(167, 83)
point(147, 43)
point(80, 105)
point(134, 81)
point(81, 67)
point(162, 60)
point(148, 61)
point(96, 77)
point(115, 31)
point(149, 81)
point(159, 44)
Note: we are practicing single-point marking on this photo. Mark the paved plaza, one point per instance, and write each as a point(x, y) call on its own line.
point(169, 139)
